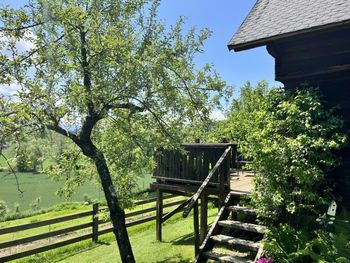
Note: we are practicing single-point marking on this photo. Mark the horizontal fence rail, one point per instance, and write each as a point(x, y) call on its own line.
point(93, 224)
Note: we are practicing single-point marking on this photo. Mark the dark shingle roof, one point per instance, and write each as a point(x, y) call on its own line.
point(271, 19)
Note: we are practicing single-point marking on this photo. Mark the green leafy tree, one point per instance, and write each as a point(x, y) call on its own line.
point(100, 65)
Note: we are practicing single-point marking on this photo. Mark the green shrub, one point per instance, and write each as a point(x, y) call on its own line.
point(291, 139)
point(286, 244)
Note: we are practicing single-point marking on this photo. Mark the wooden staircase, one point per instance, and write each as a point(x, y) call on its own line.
point(230, 239)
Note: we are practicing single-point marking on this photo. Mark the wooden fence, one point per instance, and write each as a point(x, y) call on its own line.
point(92, 227)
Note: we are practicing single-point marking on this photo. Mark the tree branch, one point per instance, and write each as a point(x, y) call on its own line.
point(4, 29)
point(188, 92)
point(13, 172)
point(86, 72)
point(126, 105)
point(63, 132)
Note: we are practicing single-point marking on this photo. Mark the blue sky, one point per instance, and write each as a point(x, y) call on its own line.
point(223, 17)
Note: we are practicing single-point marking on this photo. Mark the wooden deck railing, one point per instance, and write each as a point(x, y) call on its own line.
point(94, 224)
point(222, 170)
point(224, 164)
point(192, 165)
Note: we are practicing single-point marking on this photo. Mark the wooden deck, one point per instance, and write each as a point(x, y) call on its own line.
point(242, 181)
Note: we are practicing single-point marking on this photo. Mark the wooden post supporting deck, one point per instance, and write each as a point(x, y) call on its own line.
point(159, 215)
point(204, 217)
point(196, 228)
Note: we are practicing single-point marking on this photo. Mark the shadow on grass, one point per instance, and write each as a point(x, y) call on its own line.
point(105, 243)
point(183, 240)
point(178, 258)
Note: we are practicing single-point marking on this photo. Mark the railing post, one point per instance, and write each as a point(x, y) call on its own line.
point(95, 222)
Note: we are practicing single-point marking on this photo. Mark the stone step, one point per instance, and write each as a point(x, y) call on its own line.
point(243, 226)
point(236, 242)
point(220, 257)
point(241, 209)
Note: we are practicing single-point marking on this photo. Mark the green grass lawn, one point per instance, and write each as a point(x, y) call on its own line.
point(177, 245)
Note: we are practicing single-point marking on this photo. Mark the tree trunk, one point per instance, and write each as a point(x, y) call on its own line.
point(117, 214)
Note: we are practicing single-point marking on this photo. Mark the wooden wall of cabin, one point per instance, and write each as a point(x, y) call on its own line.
point(320, 59)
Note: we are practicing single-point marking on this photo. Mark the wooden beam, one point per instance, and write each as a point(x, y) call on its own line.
point(196, 228)
point(204, 217)
point(175, 211)
point(183, 189)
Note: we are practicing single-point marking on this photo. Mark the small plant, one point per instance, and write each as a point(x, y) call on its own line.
point(3, 208)
point(16, 208)
point(36, 204)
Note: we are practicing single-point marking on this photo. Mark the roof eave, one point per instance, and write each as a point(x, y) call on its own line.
point(264, 41)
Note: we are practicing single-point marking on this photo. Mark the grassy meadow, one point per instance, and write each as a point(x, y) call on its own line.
point(36, 185)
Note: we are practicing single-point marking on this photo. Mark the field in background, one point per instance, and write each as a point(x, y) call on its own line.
point(39, 185)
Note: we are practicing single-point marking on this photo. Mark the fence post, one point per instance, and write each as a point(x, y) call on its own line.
point(159, 215)
point(95, 222)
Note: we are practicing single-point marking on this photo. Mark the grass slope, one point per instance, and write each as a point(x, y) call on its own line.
point(177, 245)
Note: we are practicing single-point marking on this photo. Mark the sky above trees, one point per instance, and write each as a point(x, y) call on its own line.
point(223, 17)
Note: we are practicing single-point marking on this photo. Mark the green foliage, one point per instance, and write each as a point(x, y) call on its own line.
point(288, 245)
point(28, 159)
point(3, 208)
point(291, 140)
point(246, 112)
point(71, 167)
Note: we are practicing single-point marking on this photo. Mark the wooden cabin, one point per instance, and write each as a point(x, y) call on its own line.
point(310, 41)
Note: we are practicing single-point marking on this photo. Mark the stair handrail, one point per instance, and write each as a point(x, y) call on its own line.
point(194, 198)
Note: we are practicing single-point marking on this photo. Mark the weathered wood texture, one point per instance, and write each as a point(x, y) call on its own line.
point(191, 166)
point(320, 59)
